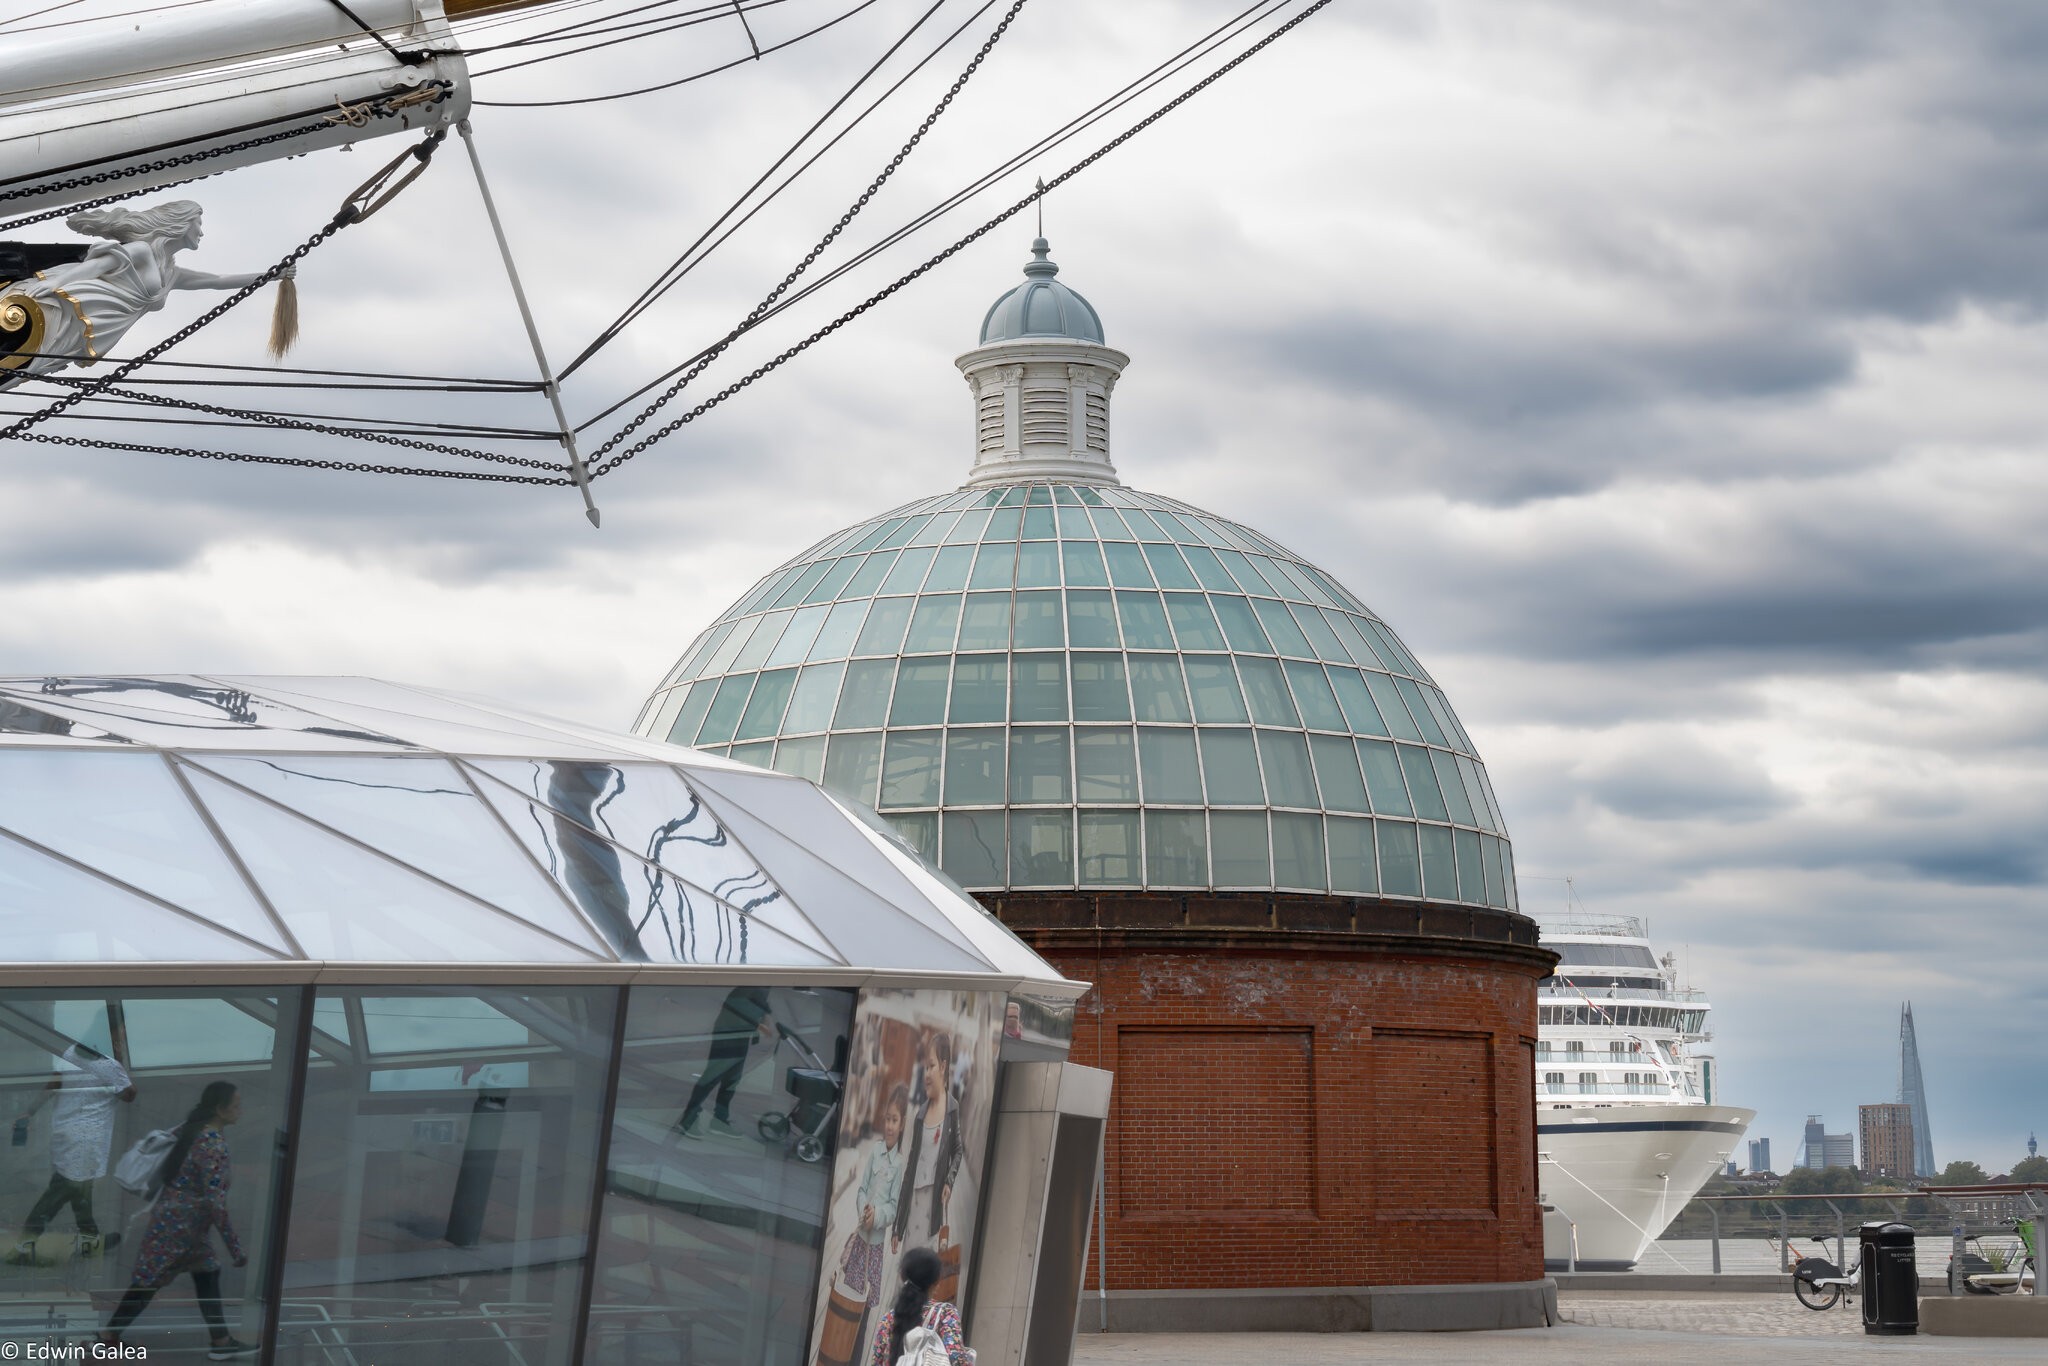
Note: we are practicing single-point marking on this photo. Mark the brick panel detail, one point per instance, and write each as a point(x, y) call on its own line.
point(1178, 1157)
point(1434, 1117)
point(1422, 1163)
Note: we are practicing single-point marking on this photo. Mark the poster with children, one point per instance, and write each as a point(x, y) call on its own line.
point(920, 1087)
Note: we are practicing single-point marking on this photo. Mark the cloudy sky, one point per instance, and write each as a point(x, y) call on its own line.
point(1669, 376)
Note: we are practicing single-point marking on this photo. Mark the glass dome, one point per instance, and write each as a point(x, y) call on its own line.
point(1051, 685)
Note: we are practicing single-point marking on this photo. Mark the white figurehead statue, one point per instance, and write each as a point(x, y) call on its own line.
point(76, 312)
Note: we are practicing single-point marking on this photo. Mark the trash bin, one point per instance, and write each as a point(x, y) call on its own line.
point(1891, 1281)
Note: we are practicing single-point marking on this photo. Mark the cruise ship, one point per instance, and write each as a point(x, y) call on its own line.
point(1628, 1120)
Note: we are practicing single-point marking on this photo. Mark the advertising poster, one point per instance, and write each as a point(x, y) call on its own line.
point(920, 1087)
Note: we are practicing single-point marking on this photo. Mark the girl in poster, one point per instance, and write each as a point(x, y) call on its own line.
point(880, 1186)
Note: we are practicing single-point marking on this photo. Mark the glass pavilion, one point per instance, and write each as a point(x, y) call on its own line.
point(1048, 680)
point(464, 964)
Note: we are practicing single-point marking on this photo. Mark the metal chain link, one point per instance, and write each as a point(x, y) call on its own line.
point(600, 466)
point(753, 318)
point(378, 107)
point(188, 453)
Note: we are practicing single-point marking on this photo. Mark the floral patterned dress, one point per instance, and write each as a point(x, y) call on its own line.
point(939, 1316)
point(193, 1202)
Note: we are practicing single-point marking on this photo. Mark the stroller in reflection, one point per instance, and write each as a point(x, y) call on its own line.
point(815, 1090)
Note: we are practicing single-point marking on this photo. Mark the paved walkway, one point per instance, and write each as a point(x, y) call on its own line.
point(1674, 1330)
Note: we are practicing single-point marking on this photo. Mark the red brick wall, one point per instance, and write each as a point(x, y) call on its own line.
point(1313, 1119)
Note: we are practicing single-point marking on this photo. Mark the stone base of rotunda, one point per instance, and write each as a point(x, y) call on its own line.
point(1324, 1113)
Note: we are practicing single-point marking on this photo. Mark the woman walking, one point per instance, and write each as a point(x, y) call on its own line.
point(193, 1203)
point(915, 1308)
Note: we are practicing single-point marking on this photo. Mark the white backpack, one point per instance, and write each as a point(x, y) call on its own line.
point(923, 1347)
point(139, 1171)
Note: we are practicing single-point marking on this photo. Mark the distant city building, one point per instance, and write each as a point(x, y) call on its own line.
point(1819, 1148)
point(1913, 1092)
point(2033, 1146)
point(1760, 1154)
point(1887, 1134)
point(1730, 1170)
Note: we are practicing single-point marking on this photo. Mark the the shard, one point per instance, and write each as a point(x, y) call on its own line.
point(1913, 1092)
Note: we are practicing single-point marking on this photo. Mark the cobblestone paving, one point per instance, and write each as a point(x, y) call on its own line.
point(1765, 1316)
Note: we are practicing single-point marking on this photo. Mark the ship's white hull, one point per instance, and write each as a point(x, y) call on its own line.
point(1621, 1174)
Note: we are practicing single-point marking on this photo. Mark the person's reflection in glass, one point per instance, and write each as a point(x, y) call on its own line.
point(591, 867)
point(81, 1138)
point(744, 1017)
point(193, 1202)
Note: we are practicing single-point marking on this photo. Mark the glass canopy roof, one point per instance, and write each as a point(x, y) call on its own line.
point(1065, 685)
point(181, 818)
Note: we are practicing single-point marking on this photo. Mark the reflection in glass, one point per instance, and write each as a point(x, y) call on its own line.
point(1041, 849)
point(1352, 867)
point(85, 1076)
point(442, 1199)
point(1237, 849)
point(1109, 849)
point(1298, 852)
point(972, 845)
point(707, 1249)
point(1400, 867)
point(1176, 849)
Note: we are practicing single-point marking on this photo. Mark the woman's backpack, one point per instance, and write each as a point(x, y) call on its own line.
point(139, 1171)
point(924, 1347)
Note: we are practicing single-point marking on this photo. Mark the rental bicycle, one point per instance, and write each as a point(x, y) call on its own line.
point(1818, 1282)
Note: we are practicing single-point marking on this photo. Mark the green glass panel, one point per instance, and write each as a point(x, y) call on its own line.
point(1267, 693)
point(1452, 784)
point(1176, 849)
point(981, 689)
point(683, 730)
point(1471, 870)
point(930, 534)
point(805, 757)
point(949, 570)
point(1284, 756)
point(1439, 863)
point(1337, 777)
point(1127, 565)
point(1193, 623)
point(1039, 765)
point(1298, 852)
point(757, 646)
point(1489, 858)
point(1038, 564)
point(1392, 710)
point(1041, 625)
point(920, 693)
point(1038, 687)
point(1088, 496)
point(985, 624)
point(934, 624)
point(1400, 865)
point(794, 594)
point(1074, 525)
point(1110, 527)
point(1281, 630)
point(1038, 524)
point(1109, 848)
point(1440, 708)
point(1240, 627)
point(1283, 583)
point(1105, 765)
point(1319, 710)
point(869, 576)
point(1214, 685)
point(1507, 868)
point(1475, 794)
point(910, 768)
point(909, 571)
point(1230, 768)
point(796, 639)
point(836, 636)
point(1084, 564)
point(764, 709)
point(1091, 620)
point(1419, 709)
point(1157, 693)
point(1320, 636)
point(864, 701)
point(969, 527)
point(1422, 785)
point(1237, 849)
point(1359, 710)
point(1002, 524)
point(1352, 866)
point(1041, 495)
point(920, 829)
point(1166, 757)
point(1209, 569)
point(1064, 495)
point(835, 579)
point(809, 705)
point(724, 716)
point(1144, 621)
point(853, 765)
point(1383, 778)
point(995, 566)
point(1361, 646)
point(975, 767)
point(1241, 569)
point(972, 848)
point(882, 633)
point(1100, 690)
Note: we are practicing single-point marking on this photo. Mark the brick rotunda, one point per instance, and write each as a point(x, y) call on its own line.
point(1188, 766)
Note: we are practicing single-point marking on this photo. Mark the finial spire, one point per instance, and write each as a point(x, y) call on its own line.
point(1041, 207)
